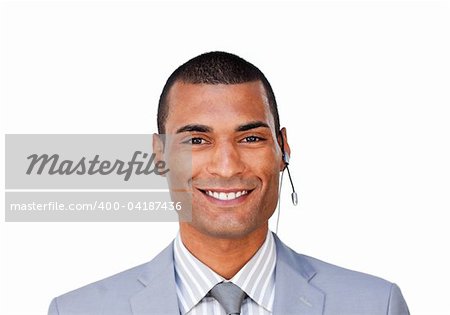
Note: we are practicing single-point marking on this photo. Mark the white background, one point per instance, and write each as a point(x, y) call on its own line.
point(362, 87)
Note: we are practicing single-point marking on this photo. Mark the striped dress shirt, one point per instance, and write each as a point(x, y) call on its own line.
point(194, 280)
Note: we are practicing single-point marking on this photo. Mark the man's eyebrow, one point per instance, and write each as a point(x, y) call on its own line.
point(252, 125)
point(194, 128)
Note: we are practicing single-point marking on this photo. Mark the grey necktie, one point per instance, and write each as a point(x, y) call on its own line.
point(229, 295)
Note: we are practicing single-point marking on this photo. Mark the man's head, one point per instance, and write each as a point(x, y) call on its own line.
point(220, 113)
point(215, 68)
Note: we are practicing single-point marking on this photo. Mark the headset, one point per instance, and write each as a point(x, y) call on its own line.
point(294, 196)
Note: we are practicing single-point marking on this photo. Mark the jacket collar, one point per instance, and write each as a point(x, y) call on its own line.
point(293, 292)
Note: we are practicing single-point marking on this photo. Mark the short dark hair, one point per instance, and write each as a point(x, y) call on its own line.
point(216, 67)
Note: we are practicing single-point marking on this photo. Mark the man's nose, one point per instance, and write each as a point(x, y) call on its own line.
point(225, 161)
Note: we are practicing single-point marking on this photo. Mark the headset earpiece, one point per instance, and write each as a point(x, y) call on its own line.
point(285, 158)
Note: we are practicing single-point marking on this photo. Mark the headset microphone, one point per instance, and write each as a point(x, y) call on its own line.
point(294, 196)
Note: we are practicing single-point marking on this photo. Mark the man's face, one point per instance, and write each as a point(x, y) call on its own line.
point(236, 159)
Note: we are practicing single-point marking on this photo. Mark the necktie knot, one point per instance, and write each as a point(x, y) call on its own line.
point(229, 295)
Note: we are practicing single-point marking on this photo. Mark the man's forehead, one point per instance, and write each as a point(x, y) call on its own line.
point(231, 104)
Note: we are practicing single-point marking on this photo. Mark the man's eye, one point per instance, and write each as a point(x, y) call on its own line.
point(252, 139)
point(195, 141)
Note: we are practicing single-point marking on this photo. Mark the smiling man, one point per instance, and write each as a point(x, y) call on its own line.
point(220, 111)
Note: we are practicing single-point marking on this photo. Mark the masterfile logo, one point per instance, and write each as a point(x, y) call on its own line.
point(83, 161)
point(95, 166)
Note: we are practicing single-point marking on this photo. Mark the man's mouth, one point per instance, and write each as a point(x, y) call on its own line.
point(225, 195)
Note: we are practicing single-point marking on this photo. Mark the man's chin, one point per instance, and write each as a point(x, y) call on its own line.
point(227, 230)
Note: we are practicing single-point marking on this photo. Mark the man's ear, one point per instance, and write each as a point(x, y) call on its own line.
point(284, 145)
point(158, 148)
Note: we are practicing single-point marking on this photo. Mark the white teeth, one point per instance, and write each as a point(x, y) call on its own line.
point(226, 196)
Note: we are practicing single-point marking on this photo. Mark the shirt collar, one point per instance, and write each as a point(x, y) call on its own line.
point(195, 279)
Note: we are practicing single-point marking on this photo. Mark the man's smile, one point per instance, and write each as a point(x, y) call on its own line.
point(226, 196)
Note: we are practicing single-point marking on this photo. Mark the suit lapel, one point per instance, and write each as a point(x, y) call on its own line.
point(159, 293)
point(293, 292)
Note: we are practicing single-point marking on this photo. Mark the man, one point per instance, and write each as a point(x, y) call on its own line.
point(220, 110)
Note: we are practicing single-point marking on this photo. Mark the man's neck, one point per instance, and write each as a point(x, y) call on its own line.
point(225, 256)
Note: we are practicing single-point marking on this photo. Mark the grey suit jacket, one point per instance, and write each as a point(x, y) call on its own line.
point(304, 285)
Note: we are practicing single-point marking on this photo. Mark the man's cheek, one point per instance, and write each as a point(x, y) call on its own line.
point(266, 169)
